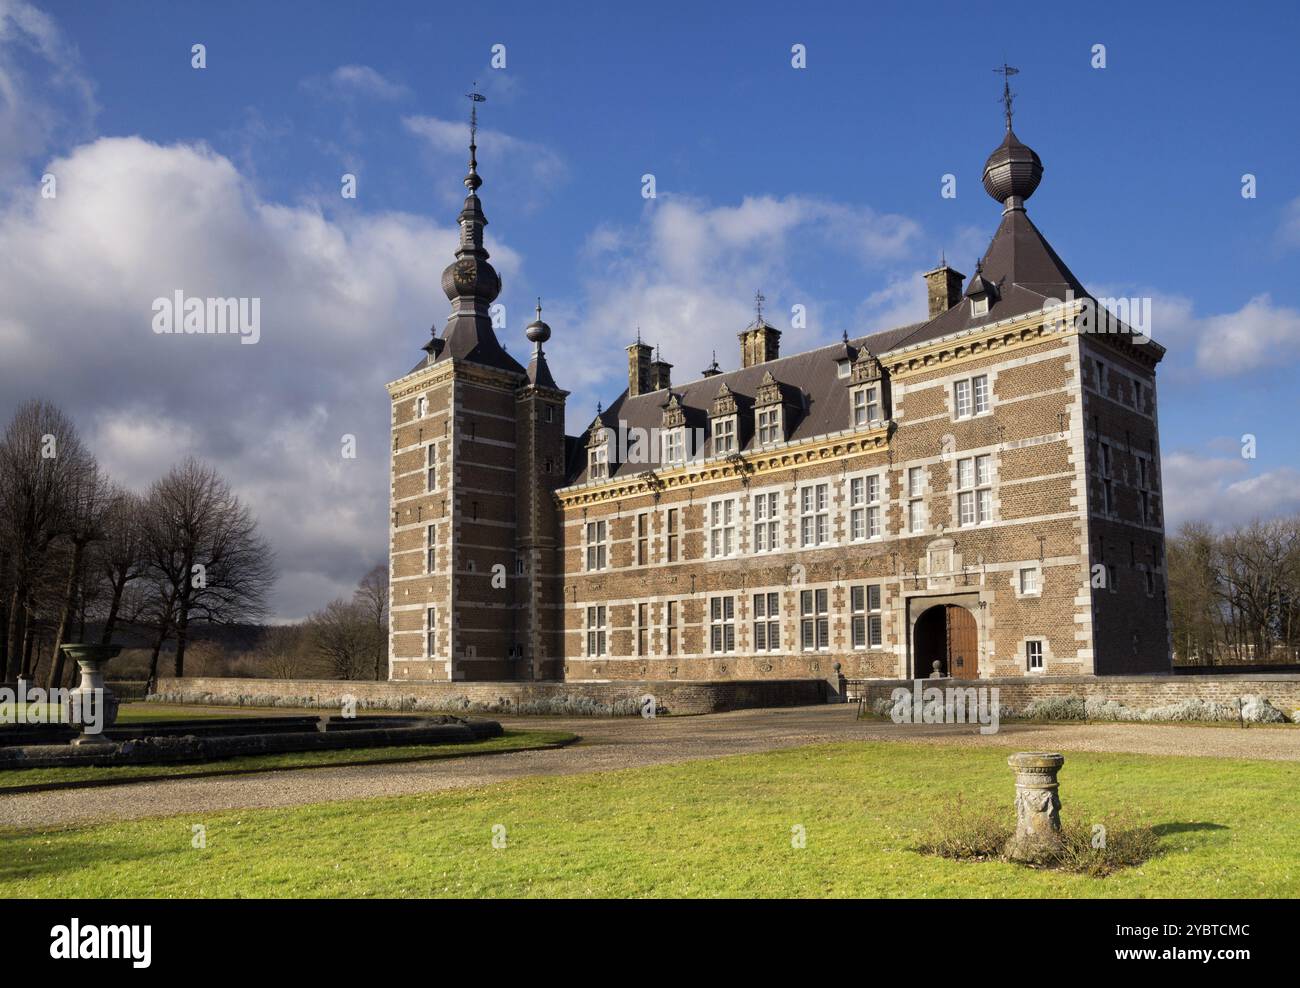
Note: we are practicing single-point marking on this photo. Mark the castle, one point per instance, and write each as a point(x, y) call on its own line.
point(976, 495)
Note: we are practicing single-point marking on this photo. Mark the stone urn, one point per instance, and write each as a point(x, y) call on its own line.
point(93, 703)
point(1038, 807)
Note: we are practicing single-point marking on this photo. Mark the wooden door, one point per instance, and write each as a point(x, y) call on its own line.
point(963, 643)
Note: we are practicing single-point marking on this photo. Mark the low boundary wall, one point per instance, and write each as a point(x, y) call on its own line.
point(568, 698)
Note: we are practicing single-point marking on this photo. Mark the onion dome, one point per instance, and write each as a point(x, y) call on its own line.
point(538, 332)
point(1012, 172)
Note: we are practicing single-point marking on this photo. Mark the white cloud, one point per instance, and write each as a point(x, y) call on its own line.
point(1289, 231)
point(512, 164)
point(365, 81)
point(1225, 490)
point(346, 303)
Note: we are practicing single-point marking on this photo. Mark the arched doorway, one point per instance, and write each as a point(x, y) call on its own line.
point(947, 634)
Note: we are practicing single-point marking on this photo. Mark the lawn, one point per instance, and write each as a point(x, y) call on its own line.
point(1230, 828)
point(510, 741)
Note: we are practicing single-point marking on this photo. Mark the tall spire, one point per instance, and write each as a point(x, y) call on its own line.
point(470, 283)
point(1013, 170)
point(1007, 71)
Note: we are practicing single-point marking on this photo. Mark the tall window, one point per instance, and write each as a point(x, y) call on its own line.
point(1034, 656)
point(1029, 580)
point(814, 620)
point(596, 548)
point(642, 539)
point(864, 605)
point(866, 406)
point(722, 624)
point(642, 629)
point(722, 527)
point(670, 629)
point(767, 523)
point(864, 507)
point(674, 445)
point(431, 467)
point(814, 514)
point(724, 435)
point(598, 463)
point(431, 633)
point(421, 407)
point(769, 426)
point(430, 550)
point(596, 630)
point(971, 396)
point(767, 622)
point(672, 535)
point(974, 493)
point(916, 499)
point(1107, 490)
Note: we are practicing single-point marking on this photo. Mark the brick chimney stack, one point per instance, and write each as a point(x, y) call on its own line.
point(758, 344)
point(943, 286)
point(638, 369)
point(660, 374)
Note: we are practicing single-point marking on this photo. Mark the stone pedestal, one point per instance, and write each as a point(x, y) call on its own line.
point(1038, 807)
point(97, 703)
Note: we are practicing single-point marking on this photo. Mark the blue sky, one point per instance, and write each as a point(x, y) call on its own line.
point(821, 186)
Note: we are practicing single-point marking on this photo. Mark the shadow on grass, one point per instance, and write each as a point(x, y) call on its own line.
point(1165, 829)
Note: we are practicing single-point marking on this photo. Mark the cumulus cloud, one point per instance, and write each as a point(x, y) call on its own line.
point(345, 303)
point(1225, 490)
point(357, 81)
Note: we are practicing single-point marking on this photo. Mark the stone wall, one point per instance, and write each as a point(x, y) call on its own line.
point(593, 699)
point(1132, 691)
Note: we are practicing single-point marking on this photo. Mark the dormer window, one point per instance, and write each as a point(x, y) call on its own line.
point(842, 368)
point(979, 306)
point(769, 425)
point(598, 463)
point(866, 405)
point(724, 435)
point(673, 445)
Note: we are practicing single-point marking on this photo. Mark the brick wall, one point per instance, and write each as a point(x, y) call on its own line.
point(596, 699)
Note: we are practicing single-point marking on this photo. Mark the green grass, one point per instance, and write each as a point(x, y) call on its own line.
point(1229, 828)
point(510, 741)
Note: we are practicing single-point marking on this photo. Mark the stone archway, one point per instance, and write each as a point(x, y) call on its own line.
point(948, 634)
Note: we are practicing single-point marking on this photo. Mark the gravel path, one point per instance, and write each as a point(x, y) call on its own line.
point(627, 742)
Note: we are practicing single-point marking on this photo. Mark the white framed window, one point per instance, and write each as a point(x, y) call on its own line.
point(979, 306)
point(916, 499)
point(724, 434)
point(814, 514)
point(598, 463)
point(431, 467)
point(596, 636)
point(596, 545)
point(430, 633)
point(865, 615)
point(769, 425)
point(1028, 580)
point(843, 368)
point(866, 405)
point(970, 396)
point(974, 490)
point(1034, 655)
point(767, 622)
point(722, 624)
point(642, 629)
point(767, 521)
point(673, 445)
point(814, 621)
point(722, 527)
point(421, 407)
point(864, 507)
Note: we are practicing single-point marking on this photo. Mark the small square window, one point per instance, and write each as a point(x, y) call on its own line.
point(1029, 580)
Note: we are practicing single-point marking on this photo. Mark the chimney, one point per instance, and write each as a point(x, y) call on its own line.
point(943, 286)
point(660, 374)
point(759, 343)
point(638, 368)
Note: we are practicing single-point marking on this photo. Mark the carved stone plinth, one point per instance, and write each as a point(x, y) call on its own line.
point(1038, 807)
point(98, 705)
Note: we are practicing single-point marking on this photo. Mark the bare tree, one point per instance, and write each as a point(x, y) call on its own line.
point(372, 597)
point(282, 646)
point(87, 505)
point(205, 556)
point(121, 557)
point(41, 456)
point(342, 634)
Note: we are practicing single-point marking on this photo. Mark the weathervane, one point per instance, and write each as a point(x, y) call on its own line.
point(1007, 71)
point(759, 299)
point(475, 98)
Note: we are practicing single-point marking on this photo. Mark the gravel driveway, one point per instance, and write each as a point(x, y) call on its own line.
point(627, 742)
